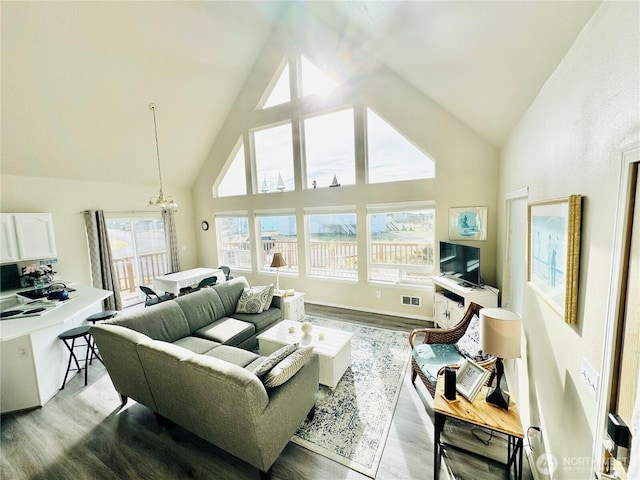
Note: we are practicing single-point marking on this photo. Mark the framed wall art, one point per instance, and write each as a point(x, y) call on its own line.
point(468, 223)
point(553, 259)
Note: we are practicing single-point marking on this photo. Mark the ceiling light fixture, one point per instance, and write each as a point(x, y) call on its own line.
point(162, 202)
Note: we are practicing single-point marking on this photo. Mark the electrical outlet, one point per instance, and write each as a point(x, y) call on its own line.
point(378, 294)
point(589, 376)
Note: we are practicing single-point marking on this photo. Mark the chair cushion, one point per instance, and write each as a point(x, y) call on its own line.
point(432, 357)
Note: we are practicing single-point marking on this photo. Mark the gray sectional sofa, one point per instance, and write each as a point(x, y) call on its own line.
point(189, 360)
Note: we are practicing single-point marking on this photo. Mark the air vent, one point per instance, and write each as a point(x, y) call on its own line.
point(411, 301)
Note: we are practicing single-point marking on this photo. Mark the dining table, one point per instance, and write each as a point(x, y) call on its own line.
point(173, 282)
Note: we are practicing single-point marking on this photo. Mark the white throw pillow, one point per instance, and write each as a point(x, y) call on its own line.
point(275, 358)
point(272, 290)
point(287, 368)
point(252, 300)
point(469, 343)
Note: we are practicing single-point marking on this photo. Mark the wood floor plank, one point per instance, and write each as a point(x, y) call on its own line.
point(82, 433)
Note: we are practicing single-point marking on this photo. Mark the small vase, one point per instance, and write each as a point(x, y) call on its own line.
point(38, 284)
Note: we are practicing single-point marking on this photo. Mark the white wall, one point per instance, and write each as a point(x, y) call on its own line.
point(466, 175)
point(66, 199)
point(569, 142)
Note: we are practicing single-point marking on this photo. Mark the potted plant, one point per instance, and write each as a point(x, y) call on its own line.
point(37, 275)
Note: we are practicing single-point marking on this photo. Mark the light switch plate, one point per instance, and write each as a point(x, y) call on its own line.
point(589, 376)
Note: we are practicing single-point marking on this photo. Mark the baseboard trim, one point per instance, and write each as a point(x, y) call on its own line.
point(371, 310)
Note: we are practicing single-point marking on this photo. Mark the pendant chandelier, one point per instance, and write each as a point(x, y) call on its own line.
point(162, 202)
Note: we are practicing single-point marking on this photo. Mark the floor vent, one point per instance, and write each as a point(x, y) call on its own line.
point(411, 301)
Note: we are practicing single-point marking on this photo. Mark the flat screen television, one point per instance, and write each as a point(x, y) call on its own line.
point(461, 262)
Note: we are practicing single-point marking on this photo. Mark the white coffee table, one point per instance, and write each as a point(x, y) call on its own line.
point(334, 349)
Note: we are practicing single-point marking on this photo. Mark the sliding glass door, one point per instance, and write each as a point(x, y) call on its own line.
point(139, 252)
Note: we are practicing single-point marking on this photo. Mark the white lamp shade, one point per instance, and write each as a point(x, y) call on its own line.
point(500, 332)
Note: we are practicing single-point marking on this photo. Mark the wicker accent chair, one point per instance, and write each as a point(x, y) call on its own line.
point(443, 336)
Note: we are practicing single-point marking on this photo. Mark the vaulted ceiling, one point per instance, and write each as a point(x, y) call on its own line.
point(77, 77)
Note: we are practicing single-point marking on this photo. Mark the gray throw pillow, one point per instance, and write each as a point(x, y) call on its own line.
point(287, 368)
point(275, 358)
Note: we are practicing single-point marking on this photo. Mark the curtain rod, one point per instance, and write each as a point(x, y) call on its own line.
point(145, 212)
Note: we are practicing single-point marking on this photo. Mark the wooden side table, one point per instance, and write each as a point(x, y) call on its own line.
point(482, 414)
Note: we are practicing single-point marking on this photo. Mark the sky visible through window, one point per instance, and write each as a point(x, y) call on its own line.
point(274, 159)
point(281, 92)
point(329, 146)
point(234, 182)
point(391, 157)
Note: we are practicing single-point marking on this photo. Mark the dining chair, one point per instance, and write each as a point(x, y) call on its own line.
point(227, 272)
point(152, 298)
point(207, 282)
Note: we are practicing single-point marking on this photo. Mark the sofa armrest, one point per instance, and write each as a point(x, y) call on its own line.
point(118, 349)
point(288, 407)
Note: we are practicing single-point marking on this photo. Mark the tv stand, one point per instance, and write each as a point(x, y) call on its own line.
point(451, 298)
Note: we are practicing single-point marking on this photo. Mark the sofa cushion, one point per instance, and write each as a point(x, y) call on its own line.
point(197, 344)
point(229, 293)
point(165, 321)
point(234, 355)
point(432, 357)
point(253, 299)
point(201, 308)
point(228, 331)
point(260, 320)
point(275, 358)
point(287, 368)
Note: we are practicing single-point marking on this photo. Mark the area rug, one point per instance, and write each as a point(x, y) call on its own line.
point(352, 421)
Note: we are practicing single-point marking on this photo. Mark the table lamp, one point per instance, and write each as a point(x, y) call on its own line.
point(500, 337)
point(277, 262)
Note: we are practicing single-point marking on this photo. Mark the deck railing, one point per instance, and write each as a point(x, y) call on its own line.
point(339, 258)
point(331, 255)
point(151, 265)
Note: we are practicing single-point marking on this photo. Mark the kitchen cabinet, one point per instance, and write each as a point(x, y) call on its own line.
point(26, 236)
point(451, 300)
point(8, 245)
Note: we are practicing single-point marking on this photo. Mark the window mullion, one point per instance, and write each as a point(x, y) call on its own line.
point(360, 143)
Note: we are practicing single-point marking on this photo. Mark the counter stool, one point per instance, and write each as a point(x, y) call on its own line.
point(72, 335)
point(99, 317)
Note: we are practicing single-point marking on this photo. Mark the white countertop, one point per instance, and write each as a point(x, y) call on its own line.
point(83, 298)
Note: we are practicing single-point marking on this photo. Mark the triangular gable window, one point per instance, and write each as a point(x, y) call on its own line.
point(391, 156)
point(234, 181)
point(280, 93)
point(314, 80)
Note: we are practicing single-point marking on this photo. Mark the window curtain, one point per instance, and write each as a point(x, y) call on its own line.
point(168, 216)
point(103, 274)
